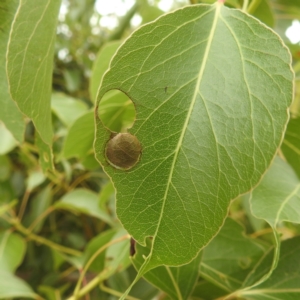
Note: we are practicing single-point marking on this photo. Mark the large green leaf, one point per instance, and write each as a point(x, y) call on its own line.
point(30, 61)
point(211, 87)
point(9, 113)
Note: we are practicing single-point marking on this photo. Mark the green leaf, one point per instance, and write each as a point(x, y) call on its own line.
point(5, 168)
point(117, 255)
point(106, 192)
point(10, 115)
point(83, 201)
point(276, 198)
point(12, 250)
point(38, 205)
point(8, 142)
point(291, 144)
point(13, 287)
point(67, 108)
point(205, 290)
point(284, 282)
point(100, 65)
point(116, 111)
point(34, 179)
point(30, 61)
point(230, 257)
point(94, 245)
point(211, 87)
point(177, 282)
point(263, 12)
point(79, 141)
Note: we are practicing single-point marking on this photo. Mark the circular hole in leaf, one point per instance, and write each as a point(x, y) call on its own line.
point(116, 111)
point(123, 151)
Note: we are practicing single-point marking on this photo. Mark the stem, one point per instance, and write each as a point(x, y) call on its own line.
point(95, 255)
point(42, 240)
point(245, 5)
point(115, 293)
point(91, 285)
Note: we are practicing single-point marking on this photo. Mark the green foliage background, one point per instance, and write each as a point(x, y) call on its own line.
point(60, 237)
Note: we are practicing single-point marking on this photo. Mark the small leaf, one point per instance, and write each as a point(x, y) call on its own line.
point(94, 245)
point(8, 142)
point(101, 65)
point(12, 251)
point(211, 87)
point(14, 287)
point(83, 201)
point(38, 205)
point(67, 108)
point(30, 61)
point(117, 255)
point(34, 179)
point(79, 141)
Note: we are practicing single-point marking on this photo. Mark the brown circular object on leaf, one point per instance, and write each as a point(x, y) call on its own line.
point(123, 151)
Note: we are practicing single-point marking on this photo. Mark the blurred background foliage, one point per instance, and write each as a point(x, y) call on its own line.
point(53, 222)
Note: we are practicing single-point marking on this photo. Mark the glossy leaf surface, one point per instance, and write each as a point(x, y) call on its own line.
point(211, 87)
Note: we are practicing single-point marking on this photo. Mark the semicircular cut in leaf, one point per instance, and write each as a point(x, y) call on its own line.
point(30, 61)
point(211, 87)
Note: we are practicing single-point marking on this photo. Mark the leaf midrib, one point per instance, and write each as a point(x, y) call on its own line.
point(185, 125)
